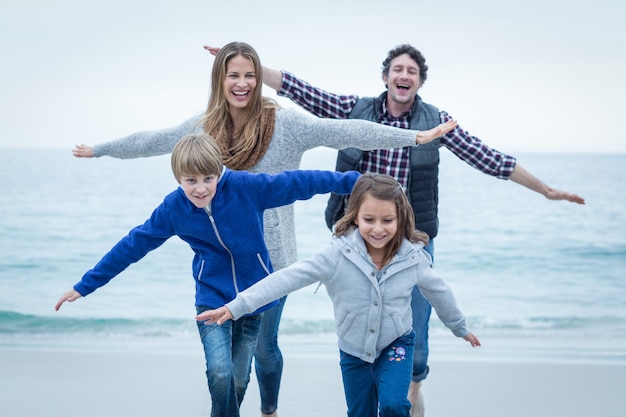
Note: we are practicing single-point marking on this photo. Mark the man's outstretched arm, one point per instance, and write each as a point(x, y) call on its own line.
point(528, 180)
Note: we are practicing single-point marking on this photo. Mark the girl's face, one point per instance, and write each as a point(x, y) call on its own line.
point(377, 221)
point(240, 82)
point(199, 189)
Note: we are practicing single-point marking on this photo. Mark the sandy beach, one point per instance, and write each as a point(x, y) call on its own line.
point(144, 382)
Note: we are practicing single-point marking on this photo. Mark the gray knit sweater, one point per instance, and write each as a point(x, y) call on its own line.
point(294, 133)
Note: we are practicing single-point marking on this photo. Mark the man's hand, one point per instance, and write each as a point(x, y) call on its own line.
point(212, 49)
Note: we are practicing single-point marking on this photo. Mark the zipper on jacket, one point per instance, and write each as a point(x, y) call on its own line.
point(200, 272)
point(219, 238)
point(267, 271)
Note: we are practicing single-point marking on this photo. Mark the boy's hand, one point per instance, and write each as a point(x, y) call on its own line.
point(218, 316)
point(472, 339)
point(70, 296)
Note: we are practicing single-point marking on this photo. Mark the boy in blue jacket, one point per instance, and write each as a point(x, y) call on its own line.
point(219, 213)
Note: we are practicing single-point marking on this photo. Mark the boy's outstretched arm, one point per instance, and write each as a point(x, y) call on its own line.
point(219, 316)
point(70, 296)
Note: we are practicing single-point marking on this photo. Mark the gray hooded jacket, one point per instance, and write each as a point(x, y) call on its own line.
point(372, 307)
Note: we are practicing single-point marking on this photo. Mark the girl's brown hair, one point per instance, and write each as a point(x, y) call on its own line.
point(386, 188)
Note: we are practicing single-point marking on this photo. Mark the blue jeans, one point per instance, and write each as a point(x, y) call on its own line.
point(228, 351)
point(421, 315)
point(379, 387)
point(268, 360)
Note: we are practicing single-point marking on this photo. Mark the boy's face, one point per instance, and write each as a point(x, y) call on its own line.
point(199, 188)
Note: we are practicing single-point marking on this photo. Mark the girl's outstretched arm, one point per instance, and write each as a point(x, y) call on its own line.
point(219, 316)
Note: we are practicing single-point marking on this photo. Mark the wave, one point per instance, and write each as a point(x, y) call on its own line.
point(15, 324)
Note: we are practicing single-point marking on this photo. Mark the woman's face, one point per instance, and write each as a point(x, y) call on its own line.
point(239, 83)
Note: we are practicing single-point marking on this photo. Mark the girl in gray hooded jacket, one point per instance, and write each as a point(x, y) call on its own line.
point(375, 259)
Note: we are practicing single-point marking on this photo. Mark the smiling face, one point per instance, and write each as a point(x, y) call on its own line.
point(199, 188)
point(402, 81)
point(239, 83)
point(377, 221)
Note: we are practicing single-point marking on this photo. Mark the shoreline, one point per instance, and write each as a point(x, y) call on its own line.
point(133, 379)
point(508, 348)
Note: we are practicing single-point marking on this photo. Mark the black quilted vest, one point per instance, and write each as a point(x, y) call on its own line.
point(423, 186)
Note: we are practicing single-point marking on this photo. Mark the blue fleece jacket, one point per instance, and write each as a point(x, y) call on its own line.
point(226, 237)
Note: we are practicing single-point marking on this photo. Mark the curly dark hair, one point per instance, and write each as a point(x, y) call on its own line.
point(410, 51)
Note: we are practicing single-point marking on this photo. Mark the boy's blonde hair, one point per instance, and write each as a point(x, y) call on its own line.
point(196, 154)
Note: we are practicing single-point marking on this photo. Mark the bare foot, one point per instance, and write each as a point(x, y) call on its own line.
point(274, 414)
point(416, 399)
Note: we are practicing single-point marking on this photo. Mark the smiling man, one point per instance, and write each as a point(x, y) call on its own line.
point(416, 168)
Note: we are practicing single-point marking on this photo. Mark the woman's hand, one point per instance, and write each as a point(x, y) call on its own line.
point(83, 151)
point(426, 136)
point(219, 316)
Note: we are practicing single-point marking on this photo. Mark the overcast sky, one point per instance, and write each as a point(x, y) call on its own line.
point(535, 75)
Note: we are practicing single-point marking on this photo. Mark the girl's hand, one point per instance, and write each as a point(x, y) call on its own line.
point(426, 136)
point(219, 316)
point(70, 296)
point(472, 339)
point(83, 151)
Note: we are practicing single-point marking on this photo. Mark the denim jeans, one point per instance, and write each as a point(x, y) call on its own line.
point(379, 387)
point(421, 315)
point(268, 360)
point(228, 351)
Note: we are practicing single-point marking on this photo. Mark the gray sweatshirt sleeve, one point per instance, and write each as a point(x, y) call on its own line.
point(441, 298)
point(148, 143)
point(287, 280)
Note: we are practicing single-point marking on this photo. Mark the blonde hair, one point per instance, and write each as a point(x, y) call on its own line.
point(386, 188)
point(196, 154)
point(216, 115)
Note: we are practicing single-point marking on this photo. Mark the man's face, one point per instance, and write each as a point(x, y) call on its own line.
point(403, 80)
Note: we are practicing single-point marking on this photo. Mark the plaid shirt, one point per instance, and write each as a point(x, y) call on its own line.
point(395, 162)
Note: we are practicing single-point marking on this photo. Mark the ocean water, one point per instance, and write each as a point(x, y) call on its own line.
point(538, 280)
